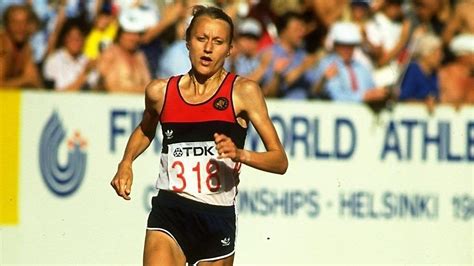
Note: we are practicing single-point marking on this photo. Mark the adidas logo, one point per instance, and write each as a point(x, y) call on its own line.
point(169, 134)
point(225, 242)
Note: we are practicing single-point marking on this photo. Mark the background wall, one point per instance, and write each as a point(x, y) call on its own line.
point(393, 188)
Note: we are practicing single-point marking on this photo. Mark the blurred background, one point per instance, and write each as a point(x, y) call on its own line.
point(373, 51)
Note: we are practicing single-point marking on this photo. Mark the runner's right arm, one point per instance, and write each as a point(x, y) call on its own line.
point(141, 138)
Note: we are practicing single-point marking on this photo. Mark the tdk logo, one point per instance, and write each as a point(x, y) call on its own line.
point(193, 151)
point(61, 179)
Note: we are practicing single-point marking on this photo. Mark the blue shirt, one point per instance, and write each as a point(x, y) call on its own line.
point(339, 88)
point(245, 66)
point(416, 85)
point(175, 60)
point(299, 90)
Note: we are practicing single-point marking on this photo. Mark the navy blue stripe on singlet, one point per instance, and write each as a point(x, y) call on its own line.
point(201, 131)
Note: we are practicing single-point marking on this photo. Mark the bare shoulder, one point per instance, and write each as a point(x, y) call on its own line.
point(5, 46)
point(155, 94)
point(245, 87)
point(156, 89)
point(247, 95)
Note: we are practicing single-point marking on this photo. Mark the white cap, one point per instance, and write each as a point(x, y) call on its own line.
point(345, 33)
point(137, 19)
point(462, 44)
point(250, 26)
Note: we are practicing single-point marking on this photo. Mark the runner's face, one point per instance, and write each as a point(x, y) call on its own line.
point(209, 45)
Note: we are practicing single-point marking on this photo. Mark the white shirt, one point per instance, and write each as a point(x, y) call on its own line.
point(383, 31)
point(64, 69)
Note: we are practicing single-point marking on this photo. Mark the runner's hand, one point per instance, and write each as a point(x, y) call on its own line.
point(122, 181)
point(226, 148)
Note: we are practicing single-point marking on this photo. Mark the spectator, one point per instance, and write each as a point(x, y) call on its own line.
point(391, 31)
point(360, 15)
point(285, 75)
point(17, 67)
point(328, 12)
point(68, 69)
point(461, 22)
point(152, 41)
point(246, 59)
point(40, 24)
point(175, 59)
point(456, 78)
point(340, 75)
point(101, 35)
point(123, 67)
point(262, 11)
point(420, 83)
point(427, 16)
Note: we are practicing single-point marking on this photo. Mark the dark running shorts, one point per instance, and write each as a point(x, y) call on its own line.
point(204, 232)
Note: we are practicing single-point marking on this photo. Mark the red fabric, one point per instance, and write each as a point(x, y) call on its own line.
point(352, 77)
point(176, 109)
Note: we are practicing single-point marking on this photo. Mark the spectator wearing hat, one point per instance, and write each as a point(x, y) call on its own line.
point(285, 76)
point(342, 77)
point(17, 67)
point(360, 14)
point(123, 67)
point(456, 78)
point(420, 82)
point(246, 59)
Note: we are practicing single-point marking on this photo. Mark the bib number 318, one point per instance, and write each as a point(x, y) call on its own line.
point(192, 177)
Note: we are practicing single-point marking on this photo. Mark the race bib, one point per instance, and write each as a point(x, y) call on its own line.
point(193, 167)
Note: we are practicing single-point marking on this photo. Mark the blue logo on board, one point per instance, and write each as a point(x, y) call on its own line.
point(61, 178)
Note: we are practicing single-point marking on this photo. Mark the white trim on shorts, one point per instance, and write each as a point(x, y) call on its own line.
point(166, 232)
point(215, 258)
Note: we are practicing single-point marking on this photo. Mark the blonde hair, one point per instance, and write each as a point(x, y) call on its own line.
point(425, 45)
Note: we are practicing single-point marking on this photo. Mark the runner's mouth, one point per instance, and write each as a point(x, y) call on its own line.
point(206, 58)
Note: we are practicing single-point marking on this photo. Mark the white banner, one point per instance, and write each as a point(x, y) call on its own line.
point(393, 188)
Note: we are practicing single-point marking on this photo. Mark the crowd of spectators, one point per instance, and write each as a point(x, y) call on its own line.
point(370, 51)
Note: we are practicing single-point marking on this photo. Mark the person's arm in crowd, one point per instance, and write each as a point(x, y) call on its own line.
point(329, 73)
point(375, 94)
point(294, 74)
point(373, 50)
point(98, 5)
point(82, 78)
point(271, 89)
point(401, 44)
point(171, 15)
point(453, 25)
point(54, 35)
point(259, 72)
point(328, 12)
